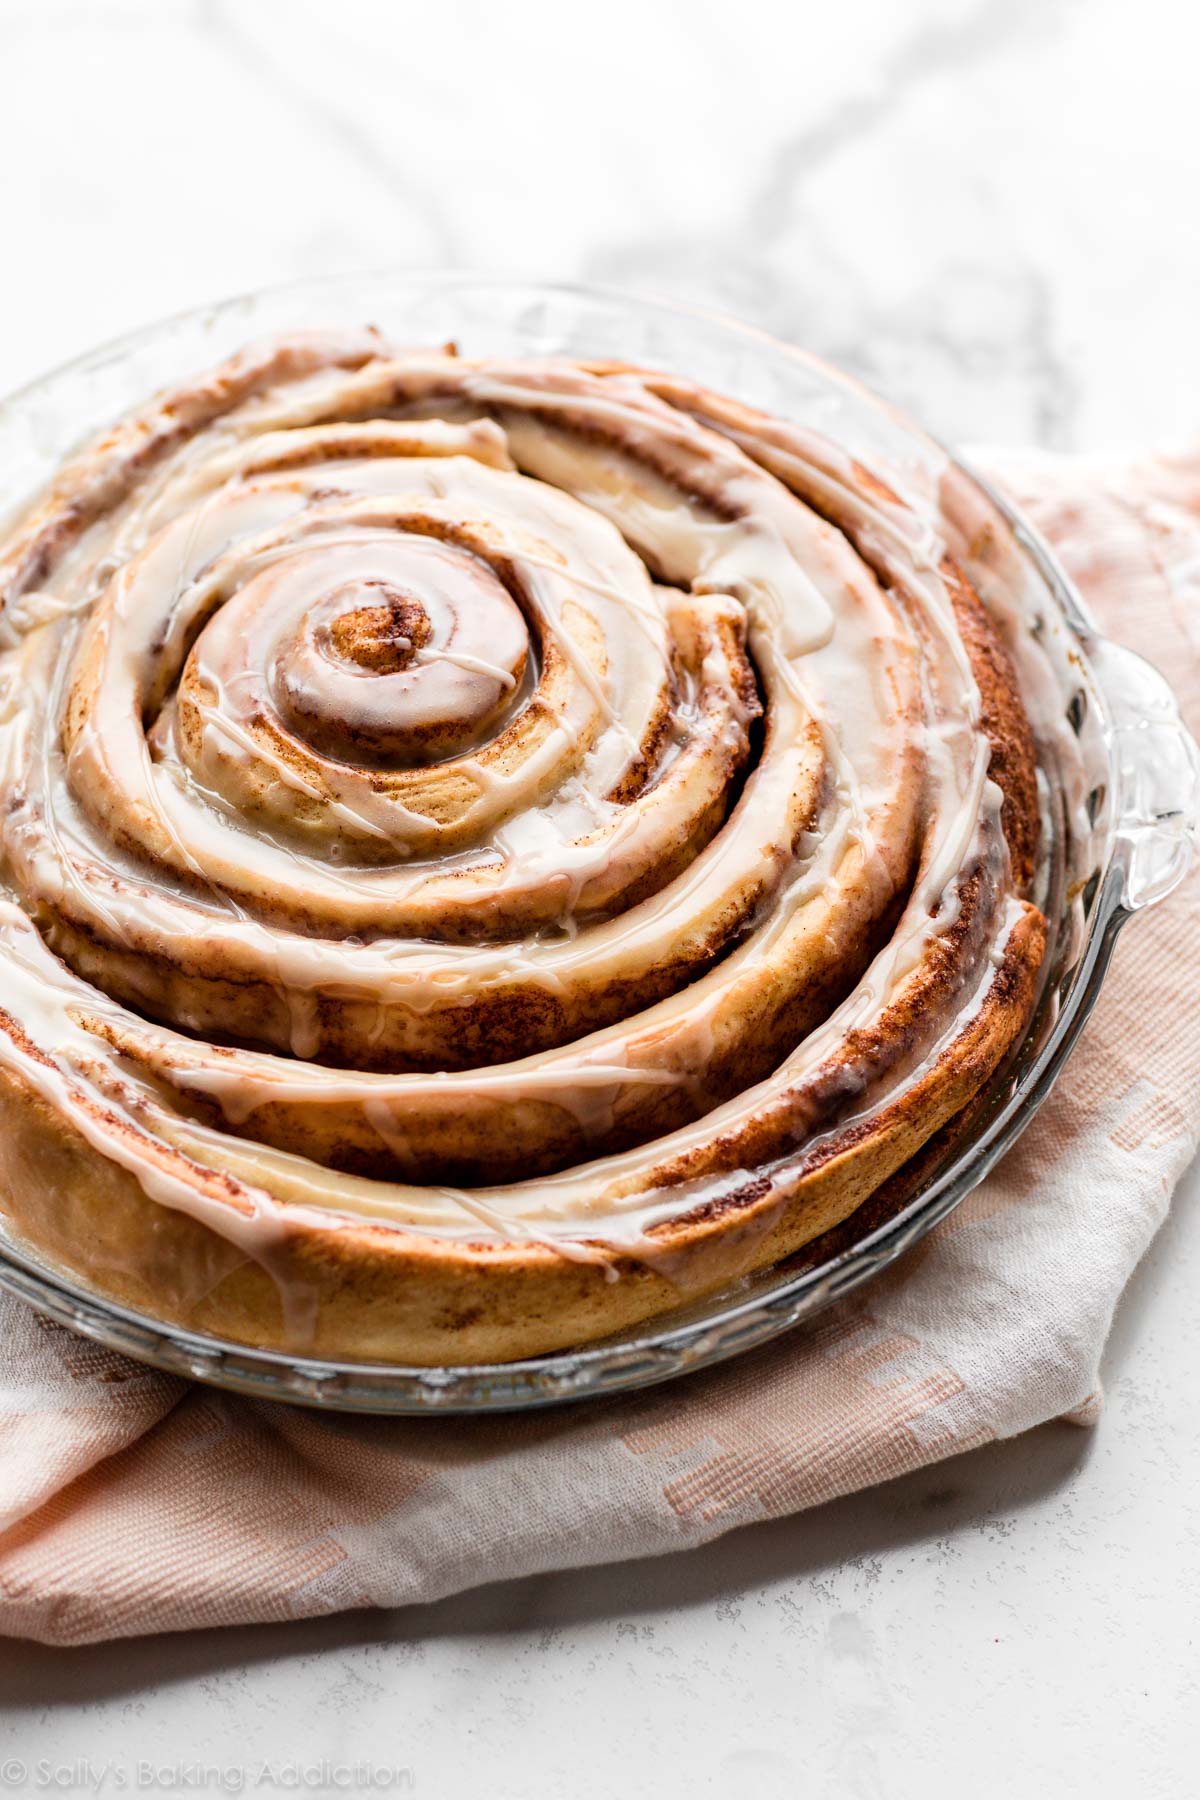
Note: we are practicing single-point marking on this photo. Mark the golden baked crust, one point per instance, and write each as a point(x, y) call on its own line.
point(492, 851)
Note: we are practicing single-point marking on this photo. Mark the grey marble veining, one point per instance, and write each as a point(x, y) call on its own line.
point(981, 206)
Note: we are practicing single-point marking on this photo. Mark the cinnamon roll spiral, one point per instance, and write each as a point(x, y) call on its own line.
point(474, 829)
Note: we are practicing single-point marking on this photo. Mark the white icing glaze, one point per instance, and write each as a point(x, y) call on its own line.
point(399, 692)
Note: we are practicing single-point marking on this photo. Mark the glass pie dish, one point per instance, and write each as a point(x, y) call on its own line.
point(1118, 779)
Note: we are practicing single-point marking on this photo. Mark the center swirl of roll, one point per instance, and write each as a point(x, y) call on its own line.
point(388, 651)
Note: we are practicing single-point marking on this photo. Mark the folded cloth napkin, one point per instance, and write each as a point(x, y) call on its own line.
point(133, 1502)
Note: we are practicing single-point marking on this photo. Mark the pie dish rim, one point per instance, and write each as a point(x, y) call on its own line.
point(728, 1323)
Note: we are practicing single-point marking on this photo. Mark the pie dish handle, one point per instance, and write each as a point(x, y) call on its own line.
point(1155, 763)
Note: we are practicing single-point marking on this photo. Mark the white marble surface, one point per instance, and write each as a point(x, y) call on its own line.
point(988, 210)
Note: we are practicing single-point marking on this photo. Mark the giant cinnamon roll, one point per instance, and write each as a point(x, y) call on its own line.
point(491, 850)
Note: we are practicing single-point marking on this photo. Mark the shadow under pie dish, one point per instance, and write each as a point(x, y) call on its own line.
point(495, 848)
